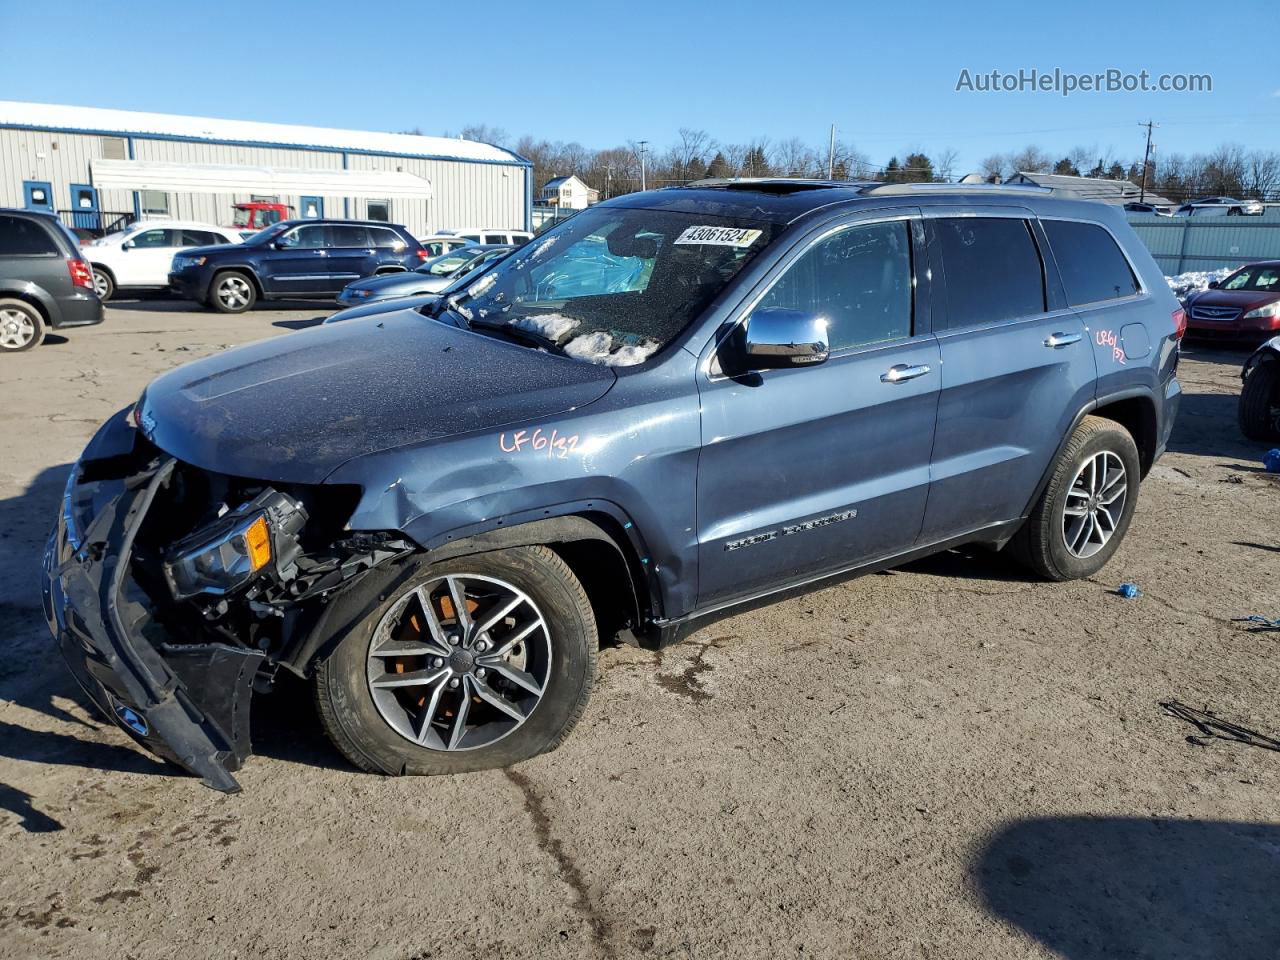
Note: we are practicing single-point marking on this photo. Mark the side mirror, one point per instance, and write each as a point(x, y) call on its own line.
point(1213, 284)
point(777, 337)
point(126, 246)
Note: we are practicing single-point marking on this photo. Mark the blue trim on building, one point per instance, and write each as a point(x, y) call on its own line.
point(137, 202)
point(516, 161)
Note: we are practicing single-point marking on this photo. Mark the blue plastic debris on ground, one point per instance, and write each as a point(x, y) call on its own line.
point(1128, 590)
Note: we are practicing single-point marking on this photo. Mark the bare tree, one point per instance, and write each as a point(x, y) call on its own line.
point(946, 164)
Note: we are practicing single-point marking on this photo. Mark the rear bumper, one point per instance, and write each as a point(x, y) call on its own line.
point(186, 702)
point(77, 310)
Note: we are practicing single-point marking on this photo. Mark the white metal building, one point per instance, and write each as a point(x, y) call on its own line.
point(93, 165)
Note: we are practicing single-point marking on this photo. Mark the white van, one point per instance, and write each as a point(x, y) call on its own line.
point(489, 235)
point(139, 256)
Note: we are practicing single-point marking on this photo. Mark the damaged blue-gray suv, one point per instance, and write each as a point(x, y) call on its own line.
point(670, 406)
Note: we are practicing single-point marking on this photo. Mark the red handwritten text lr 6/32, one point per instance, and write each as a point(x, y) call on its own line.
point(553, 444)
point(1108, 338)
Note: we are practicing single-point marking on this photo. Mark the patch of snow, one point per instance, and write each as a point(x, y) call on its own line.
point(481, 285)
point(1185, 284)
point(551, 325)
point(543, 246)
point(598, 348)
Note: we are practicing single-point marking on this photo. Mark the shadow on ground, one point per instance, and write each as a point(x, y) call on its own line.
point(1093, 887)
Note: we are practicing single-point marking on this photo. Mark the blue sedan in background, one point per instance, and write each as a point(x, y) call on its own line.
point(432, 277)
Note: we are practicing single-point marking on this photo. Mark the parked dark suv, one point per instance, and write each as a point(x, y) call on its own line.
point(293, 259)
point(44, 281)
point(435, 514)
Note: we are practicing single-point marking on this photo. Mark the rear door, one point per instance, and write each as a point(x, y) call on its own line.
point(1016, 367)
point(809, 470)
point(301, 266)
point(351, 256)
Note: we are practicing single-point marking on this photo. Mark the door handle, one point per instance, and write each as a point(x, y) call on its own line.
point(1061, 339)
point(902, 372)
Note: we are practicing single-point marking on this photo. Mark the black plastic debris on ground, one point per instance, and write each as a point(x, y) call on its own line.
point(1214, 728)
point(1260, 624)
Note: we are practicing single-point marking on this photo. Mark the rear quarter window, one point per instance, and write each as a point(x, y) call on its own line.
point(24, 237)
point(1092, 266)
point(992, 268)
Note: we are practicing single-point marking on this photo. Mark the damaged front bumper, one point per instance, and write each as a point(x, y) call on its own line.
point(187, 702)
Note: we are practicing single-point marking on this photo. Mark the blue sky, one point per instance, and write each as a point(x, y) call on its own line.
point(604, 73)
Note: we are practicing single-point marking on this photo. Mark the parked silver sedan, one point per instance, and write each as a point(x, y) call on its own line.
point(432, 277)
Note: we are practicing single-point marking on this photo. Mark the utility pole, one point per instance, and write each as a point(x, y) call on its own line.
point(642, 144)
point(608, 181)
point(1146, 157)
point(831, 155)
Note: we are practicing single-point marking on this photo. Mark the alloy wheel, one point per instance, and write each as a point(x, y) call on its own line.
point(101, 285)
point(233, 292)
point(1095, 503)
point(459, 662)
point(16, 329)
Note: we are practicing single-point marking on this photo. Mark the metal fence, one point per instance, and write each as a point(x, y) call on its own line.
point(94, 223)
point(1180, 244)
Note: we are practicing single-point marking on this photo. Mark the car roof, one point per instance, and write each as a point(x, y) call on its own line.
point(297, 221)
point(30, 213)
point(196, 224)
point(784, 201)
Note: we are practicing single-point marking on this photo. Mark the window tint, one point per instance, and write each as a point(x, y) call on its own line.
point(1092, 266)
point(20, 237)
point(495, 238)
point(155, 238)
point(200, 238)
point(858, 279)
point(348, 235)
point(387, 238)
point(308, 238)
point(992, 268)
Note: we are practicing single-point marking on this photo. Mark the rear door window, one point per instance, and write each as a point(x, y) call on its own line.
point(495, 238)
point(21, 237)
point(1093, 268)
point(348, 235)
point(387, 239)
point(992, 268)
point(858, 279)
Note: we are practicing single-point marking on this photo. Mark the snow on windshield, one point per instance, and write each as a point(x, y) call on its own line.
point(598, 347)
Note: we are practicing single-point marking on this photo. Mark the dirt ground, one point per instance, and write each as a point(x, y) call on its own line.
point(946, 760)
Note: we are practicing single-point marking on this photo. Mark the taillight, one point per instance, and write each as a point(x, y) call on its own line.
point(423, 256)
point(81, 275)
point(1179, 323)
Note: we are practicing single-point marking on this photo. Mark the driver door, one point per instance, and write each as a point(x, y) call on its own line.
point(810, 470)
point(147, 260)
point(299, 264)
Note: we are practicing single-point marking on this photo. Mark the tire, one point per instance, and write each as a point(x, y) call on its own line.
point(104, 285)
point(384, 732)
point(1259, 410)
point(21, 326)
point(232, 292)
point(1042, 542)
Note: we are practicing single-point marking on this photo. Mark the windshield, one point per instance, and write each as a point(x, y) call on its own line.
point(447, 263)
point(264, 235)
point(614, 285)
point(242, 217)
point(1261, 279)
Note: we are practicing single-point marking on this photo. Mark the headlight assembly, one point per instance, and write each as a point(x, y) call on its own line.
point(257, 538)
point(1270, 310)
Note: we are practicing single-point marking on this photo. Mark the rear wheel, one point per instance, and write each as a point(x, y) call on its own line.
point(103, 284)
point(1084, 512)
point(1259, 409)
point(232, 292)
point(21, 326)
point(470, 664)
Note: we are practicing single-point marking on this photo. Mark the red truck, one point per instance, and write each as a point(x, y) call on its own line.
point(255, 216)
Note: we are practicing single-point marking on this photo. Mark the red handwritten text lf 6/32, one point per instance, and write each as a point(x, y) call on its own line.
point(554, 444)
point(1108, 338)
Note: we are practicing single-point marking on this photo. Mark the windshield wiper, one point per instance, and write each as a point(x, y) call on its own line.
point(518, 333)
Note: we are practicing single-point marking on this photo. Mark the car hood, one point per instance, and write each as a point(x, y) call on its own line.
point(401, 284)
point(1241, 299)
point(381, 306)
point(294, 408)
point(214, 248)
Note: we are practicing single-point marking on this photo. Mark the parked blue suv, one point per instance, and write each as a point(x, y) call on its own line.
point(435, 514)
point(293, 259)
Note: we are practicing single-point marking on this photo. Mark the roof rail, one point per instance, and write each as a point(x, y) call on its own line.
point(880, 189)
point(772, 184)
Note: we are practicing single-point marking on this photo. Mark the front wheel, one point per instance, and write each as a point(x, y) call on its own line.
point(470, 664)
point(1084, 512)
point(232, 292)
point(1259, 409)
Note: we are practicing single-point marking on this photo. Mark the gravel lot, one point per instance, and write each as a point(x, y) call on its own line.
point(946, 760)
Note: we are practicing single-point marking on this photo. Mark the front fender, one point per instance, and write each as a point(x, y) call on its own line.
point(1269, 349)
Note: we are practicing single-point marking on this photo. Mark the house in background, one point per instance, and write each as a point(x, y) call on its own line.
point(1117, 192)
point(568, 193)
